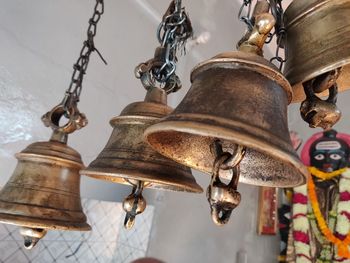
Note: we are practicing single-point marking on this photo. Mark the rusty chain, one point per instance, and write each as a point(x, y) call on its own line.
point(72, 95)
point(172, 34)
point(247, 17)
point(280, 32)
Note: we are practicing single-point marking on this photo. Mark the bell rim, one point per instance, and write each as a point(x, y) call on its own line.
point(132, 119)
point(48, 159)
point(297, 15)
point(298, 87)
point(187, 127)
point(113, 173)
point(247, 61)
point(30, 222)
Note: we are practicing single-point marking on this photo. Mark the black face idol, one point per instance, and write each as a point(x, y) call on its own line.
point(329, 153)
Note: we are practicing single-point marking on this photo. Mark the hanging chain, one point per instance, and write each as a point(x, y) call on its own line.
point(246, 18)
point(280, 32)
point(69, 105)
point(172, 33)
point(79, 69)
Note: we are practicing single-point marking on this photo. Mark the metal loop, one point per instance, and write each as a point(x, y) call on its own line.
point(172, 33)
point(134, 204)
point(224, 198)
point(280, 32)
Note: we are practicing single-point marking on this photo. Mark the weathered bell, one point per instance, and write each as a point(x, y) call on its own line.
point(237, 98)
point(317, 42)
point(127, 159)
point(236, 106)
point(44, 191)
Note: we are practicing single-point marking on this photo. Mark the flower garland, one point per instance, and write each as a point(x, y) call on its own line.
point(301, 225)
point(342, 245)
point(325, 176)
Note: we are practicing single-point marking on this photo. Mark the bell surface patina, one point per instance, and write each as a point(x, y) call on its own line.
point(127, 158)
point(238, 103)
point(317, 41)
point(238, 98)
point(44, 191)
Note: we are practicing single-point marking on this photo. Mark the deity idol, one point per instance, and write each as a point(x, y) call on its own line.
point(321, 209)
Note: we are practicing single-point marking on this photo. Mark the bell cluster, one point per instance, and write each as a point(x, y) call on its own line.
point(239, 135)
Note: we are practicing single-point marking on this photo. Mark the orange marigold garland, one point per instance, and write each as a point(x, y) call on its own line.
point(342, 245)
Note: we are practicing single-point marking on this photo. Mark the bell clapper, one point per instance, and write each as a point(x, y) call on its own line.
point(315, 111)
point(221, 197)
point(134, 204)
point(31, 236)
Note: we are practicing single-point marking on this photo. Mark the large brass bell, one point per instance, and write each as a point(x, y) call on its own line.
point(44, 190)
point(317, 41)
point(127, 159)
point(237, 99)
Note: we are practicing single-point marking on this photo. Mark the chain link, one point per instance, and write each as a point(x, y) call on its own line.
point(280, 32)
point(79, 68)
point(246, 17)
point(172, 34)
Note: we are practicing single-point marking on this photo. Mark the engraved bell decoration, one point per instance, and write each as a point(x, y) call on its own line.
point(127, 159)
point(235, 117)
point(44, 191)
point(317, 42)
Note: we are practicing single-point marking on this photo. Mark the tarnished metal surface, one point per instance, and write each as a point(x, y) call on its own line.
point(237, 98)
point(44, 190)
point(317, 41)
point(126, 157)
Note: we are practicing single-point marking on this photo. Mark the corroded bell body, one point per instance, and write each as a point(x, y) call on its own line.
point(44, 191)
point(127, 159)
point(238, 98)
point(317, 41)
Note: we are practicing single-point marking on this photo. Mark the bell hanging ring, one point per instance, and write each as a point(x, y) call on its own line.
point(320, 113)
point(144, 72)
point(223, 199)
point(44, 191)
point(76, 119)
point(317, 41)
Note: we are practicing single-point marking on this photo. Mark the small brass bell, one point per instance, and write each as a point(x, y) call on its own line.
point(44, 190)
point(237, 105)
point(317, 42)
point(127, 159)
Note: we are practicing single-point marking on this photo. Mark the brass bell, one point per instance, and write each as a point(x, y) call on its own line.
point(127, 159)
point(44, 190)
point(317, 41)
point(237, 104)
